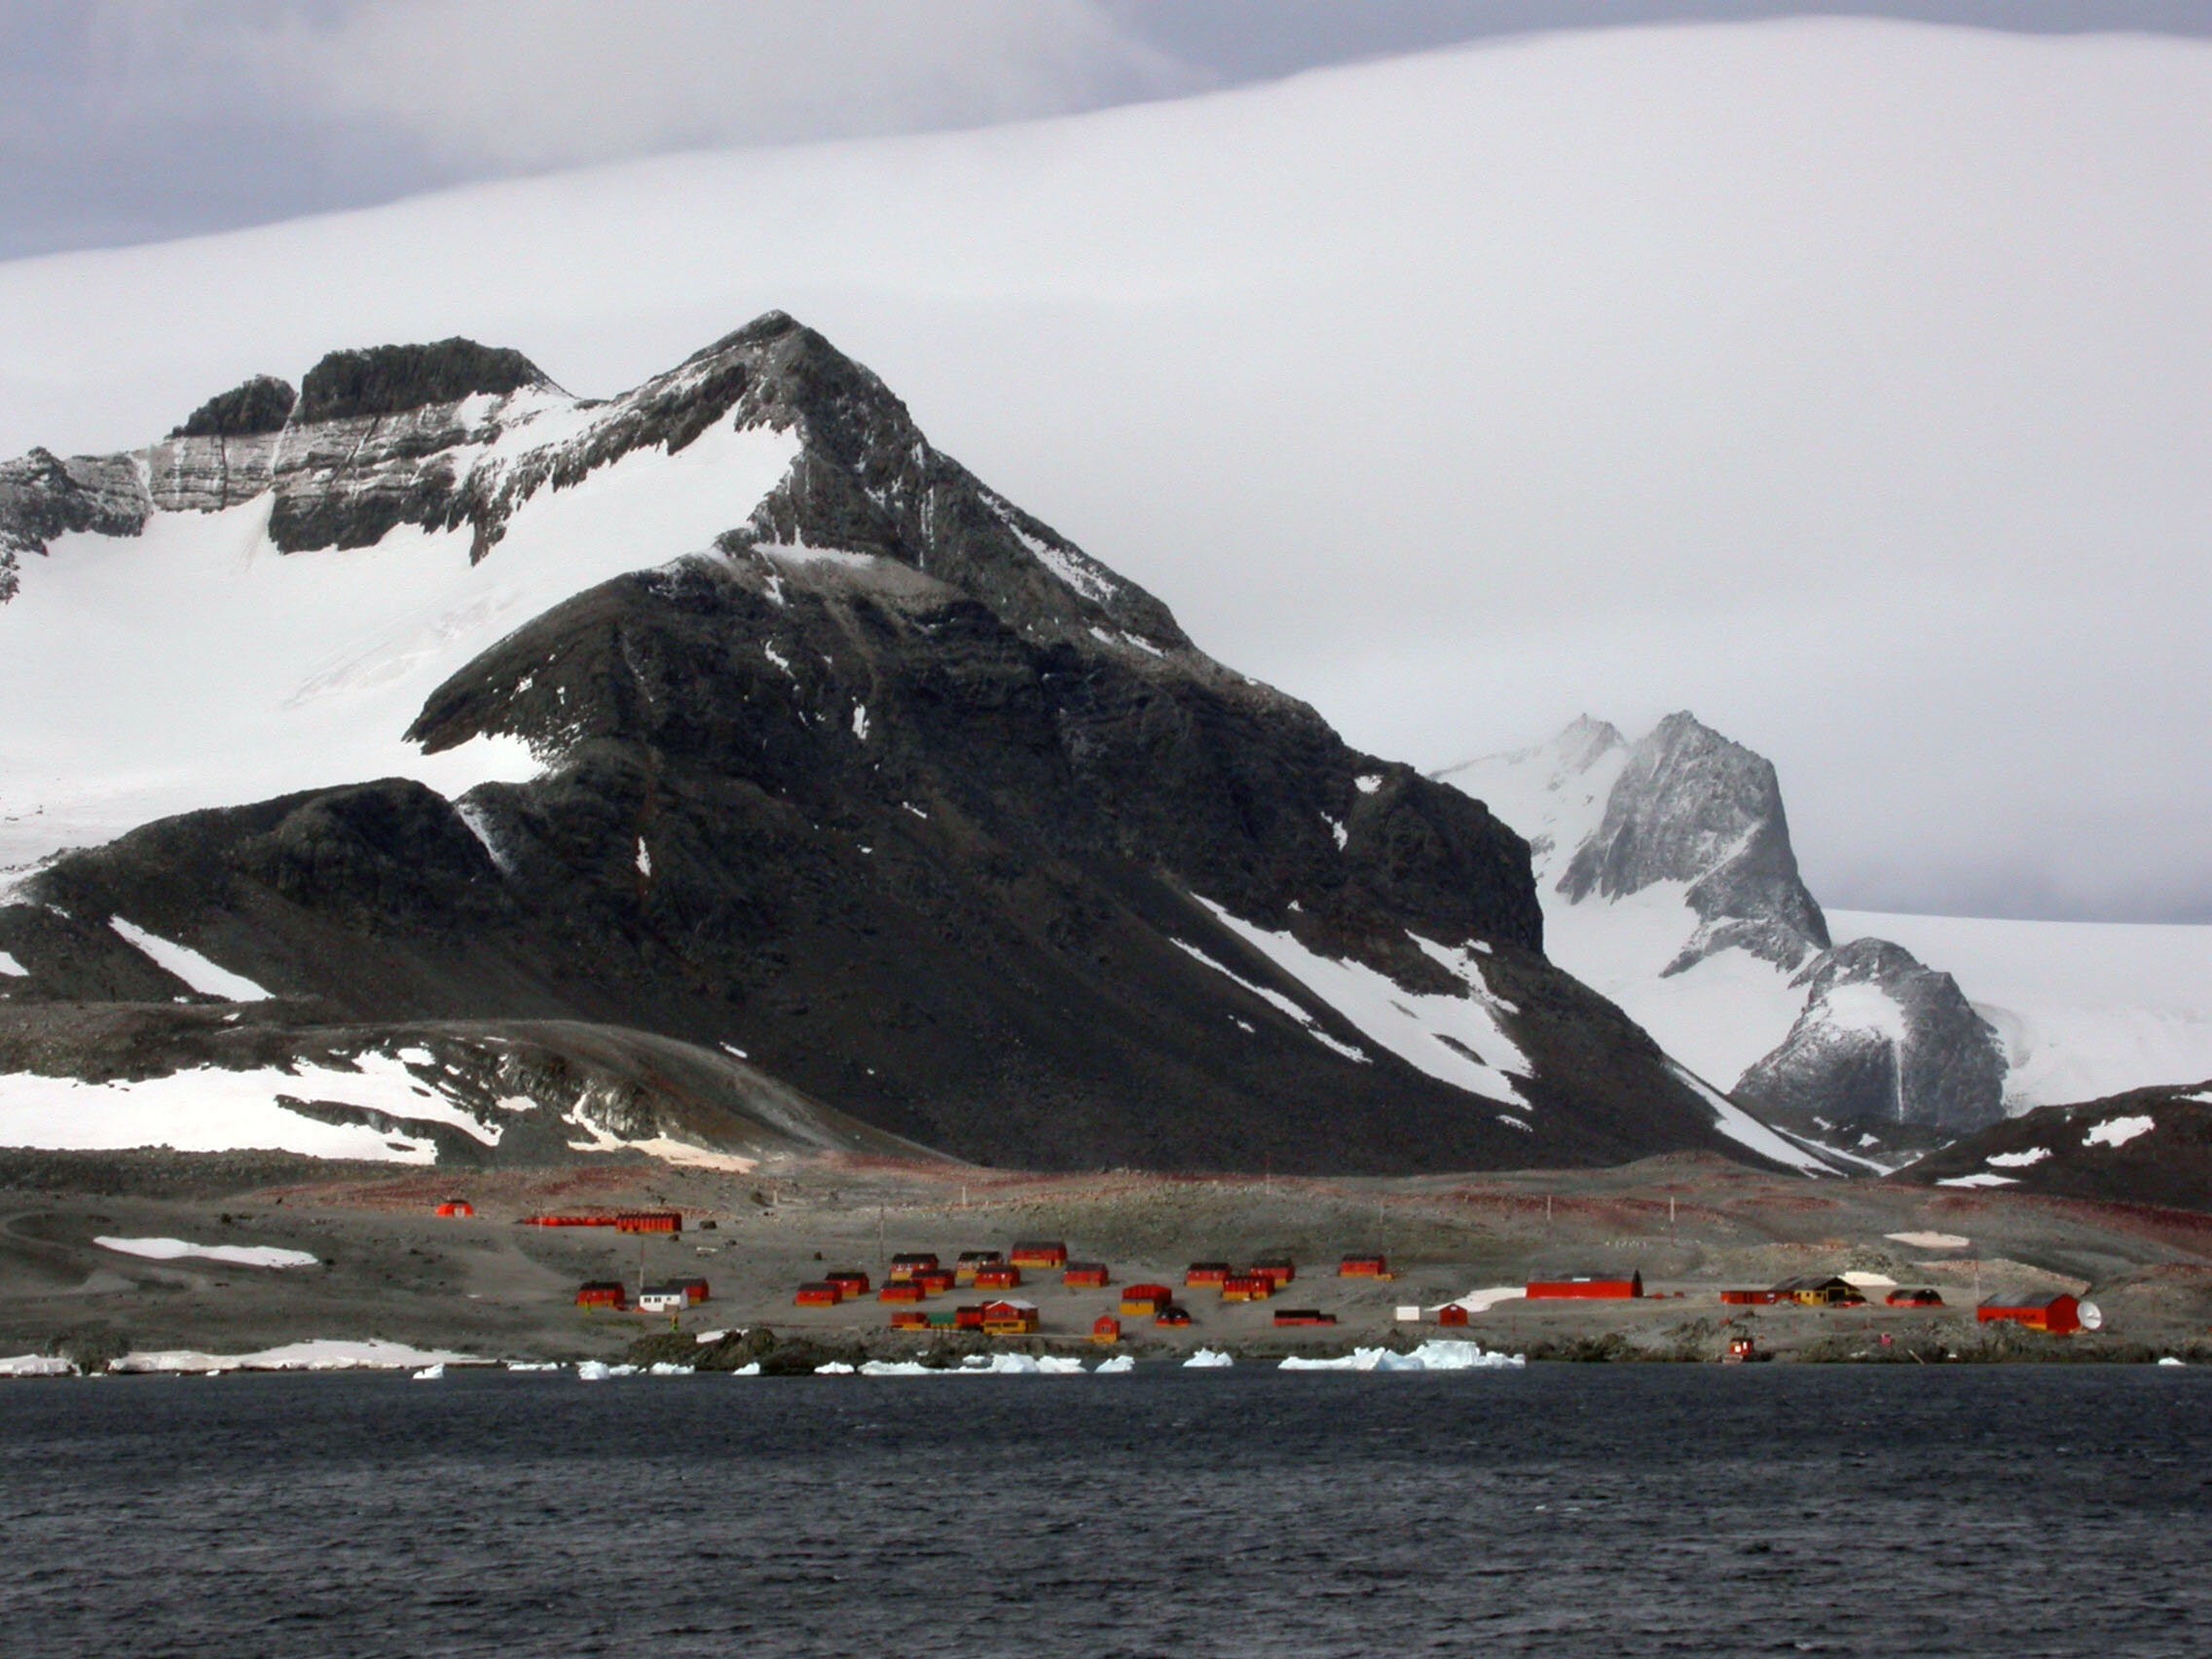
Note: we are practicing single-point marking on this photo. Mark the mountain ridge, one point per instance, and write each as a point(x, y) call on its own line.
point(887, 785)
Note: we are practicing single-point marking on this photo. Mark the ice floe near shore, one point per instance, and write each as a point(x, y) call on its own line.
point(1437, 1354)
point(321, 1355)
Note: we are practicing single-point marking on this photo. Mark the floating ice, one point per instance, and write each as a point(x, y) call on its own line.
point(1121, 1365)
point(1437, 1354)
point(429, 1373)
point(1207, 1359)
point(37, 1365)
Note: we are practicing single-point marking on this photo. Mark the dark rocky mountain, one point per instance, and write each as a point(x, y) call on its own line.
point(894, 791)
point(1693, 807)
point(2147, 1146)
point(1886, 1052)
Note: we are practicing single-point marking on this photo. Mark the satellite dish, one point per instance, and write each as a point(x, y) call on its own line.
point(2092, 1316)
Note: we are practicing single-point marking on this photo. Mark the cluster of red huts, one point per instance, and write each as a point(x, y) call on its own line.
point(920, 1276)
point(622, 1221)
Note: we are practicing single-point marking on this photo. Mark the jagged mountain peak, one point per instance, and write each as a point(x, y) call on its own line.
point(1695, 807)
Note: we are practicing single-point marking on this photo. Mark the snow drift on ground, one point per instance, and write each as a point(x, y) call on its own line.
point(2085, 1008)
point(1838, 376)
point(177, 1249)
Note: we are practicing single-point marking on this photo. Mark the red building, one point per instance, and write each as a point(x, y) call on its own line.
point(2060, 1315)
point(1009, 1317)
point(694, 1289)
point(908, 1265)
point(899, 1290)
point(1750, 1298)
point(909, 1320)
point(972, 1261)
point(1206, 1272)
point(1084, 1276)
point(821, 1293)
point(1246, 1287)
point(1903, 1298)
point(648, 1221)
point(1106, 1330)
point(1146, 1298)
point(1365, 1267)
point(969, 1317)
point(1172, 1317)
point(457, 1210)
point(1040, 1254)
point(602, 1293)
point(1588, 1287)
point(850, 1281)
point(999, 1278)
point(1278, 1273)
point(1451, 1313)
point(934, 1282)
point(1303, 1316)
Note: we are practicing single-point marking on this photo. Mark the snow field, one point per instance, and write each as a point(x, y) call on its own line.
point(305, 670)
point(213, 1110)
point(195, 970)
point(179, 1249)
point(1431, 1032)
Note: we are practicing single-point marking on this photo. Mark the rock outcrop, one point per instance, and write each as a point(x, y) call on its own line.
point(1886, 1051)
point(1692, 807)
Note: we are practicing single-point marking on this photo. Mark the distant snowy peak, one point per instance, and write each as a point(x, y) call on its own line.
point(1670, 885)
point(1885, 1046)
point(1690, 807)
point(1553, 794)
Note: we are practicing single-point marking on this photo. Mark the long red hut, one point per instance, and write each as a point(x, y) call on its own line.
point(2060, 1315)
point(1588, 1287)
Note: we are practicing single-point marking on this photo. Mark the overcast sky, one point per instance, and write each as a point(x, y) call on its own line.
point(1846, 385)
point(124, 121)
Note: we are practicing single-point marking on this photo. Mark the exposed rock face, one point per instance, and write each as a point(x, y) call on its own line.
point(1691, 806)
point(1884, 1047)
point(393, 379)
point(260, 405)
point(902, 794)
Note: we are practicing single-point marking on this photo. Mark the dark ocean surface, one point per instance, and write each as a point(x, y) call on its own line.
point(1607, 1510)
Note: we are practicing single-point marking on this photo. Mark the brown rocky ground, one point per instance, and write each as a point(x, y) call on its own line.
point(1693, 1224)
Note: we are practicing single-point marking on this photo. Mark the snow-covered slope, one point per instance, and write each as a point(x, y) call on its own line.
point(2085, 1010)
point(194, 665)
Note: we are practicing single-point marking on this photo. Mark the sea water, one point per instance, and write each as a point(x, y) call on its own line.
point(1613, 1510)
